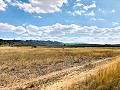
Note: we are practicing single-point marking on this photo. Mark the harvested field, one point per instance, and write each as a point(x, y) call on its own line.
point(26, 68)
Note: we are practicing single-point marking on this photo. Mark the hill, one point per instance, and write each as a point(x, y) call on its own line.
point(30, 42)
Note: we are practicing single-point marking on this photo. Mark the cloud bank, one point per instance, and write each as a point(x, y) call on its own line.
point(5, 27)
point(40, 6)
point(65, 33)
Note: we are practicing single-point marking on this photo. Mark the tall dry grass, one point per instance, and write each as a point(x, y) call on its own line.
point(107, 78)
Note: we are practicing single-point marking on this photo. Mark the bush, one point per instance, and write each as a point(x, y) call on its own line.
point(34, 46)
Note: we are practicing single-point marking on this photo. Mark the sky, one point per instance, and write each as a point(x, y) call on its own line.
point(68, 21)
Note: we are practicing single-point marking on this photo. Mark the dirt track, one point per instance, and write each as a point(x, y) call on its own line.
point(61, 80)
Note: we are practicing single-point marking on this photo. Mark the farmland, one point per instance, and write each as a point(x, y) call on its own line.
point(48, 68)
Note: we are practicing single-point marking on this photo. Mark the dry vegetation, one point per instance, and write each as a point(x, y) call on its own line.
point(106, 78)
point(18, 64)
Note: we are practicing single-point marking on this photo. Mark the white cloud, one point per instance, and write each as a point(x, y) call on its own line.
point(90, 14)
point(79, 12)
point(78, 5)
point(54, 30)
point(39, 17)
point(4, 27)
point(19, 30)
point(71, 39)
point(78, 0)
point(101, 19)
point(115, 23)
point(25, 34)
point(3, 5)
point(41, 6)
point(59, 32)
point(101, 10)
point(82, 9)
point(8, 1)
point(71, 13)
point(95, 19)
point(24, 24)
point(90, 6)
point(113, 11)
point(34, 30)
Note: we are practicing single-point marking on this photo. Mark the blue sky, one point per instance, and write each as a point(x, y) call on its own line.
point(89, 21)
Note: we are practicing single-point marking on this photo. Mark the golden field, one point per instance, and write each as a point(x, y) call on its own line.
point(106, 77)
point(26, 68)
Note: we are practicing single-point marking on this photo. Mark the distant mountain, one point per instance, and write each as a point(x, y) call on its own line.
point(31, 42)
point(94, 45)
point(51, 43)
point(75, 43)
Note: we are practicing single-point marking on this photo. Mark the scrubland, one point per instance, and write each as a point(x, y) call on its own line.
point(41, 68)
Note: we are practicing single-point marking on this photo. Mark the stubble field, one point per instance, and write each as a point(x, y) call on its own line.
point(42, 68)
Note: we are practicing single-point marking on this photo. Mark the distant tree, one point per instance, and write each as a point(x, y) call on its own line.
point(64, 45)
point(34, 46)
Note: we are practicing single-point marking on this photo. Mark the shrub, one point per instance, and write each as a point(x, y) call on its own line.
point(34, 46)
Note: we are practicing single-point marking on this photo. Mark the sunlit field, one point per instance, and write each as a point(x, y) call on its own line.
point(27, 68)
point(106, 77)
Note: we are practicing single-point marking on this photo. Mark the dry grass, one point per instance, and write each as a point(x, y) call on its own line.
point(22, 63)
point(107, 78)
